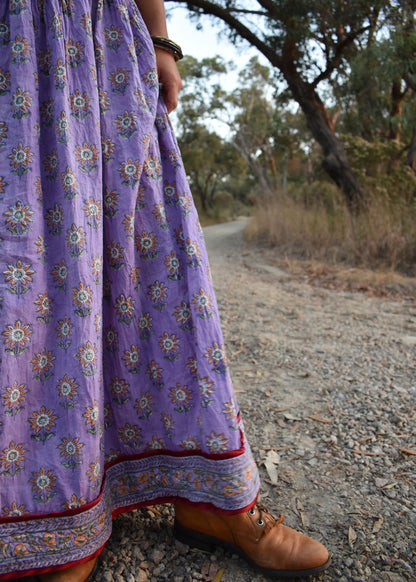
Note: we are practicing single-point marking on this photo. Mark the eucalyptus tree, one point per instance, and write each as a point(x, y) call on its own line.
point(214, 167)
point(309, 44)
point(378, 99)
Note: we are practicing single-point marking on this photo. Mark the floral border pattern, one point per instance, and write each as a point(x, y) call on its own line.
point(44, 542)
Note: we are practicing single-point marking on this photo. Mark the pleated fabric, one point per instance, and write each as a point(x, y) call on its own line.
point(114, 384)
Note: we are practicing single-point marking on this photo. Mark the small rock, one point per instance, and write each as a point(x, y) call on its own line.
point(141, 576)
point(157, 556)
point(138, 554)
point(181, 548)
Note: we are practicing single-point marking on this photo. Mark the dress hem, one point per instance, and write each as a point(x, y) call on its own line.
point(226, 485)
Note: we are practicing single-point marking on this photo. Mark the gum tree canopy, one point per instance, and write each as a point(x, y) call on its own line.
point(309, 44)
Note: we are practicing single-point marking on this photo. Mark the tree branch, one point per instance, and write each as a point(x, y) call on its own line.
point(339, 51)
point(236, 25)
point(247, 11)
point(272, 9)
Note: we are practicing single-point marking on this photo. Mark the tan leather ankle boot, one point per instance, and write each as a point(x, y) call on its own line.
point(273, 548)
point(82, 573)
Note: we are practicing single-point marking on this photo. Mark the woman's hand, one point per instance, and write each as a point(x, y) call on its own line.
point(169, 78)
point(153, 13)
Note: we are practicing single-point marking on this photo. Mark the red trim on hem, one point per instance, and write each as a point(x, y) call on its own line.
point(191, 453)
point(16, 575)
point(36, 571)
point(119, 511)
point(66, 513)
point(184, 501)
point(122, 459)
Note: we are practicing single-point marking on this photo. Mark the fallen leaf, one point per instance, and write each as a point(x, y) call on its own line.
point(305, 519)
point(303, 515)
point(218, 576)
point(323, 420)
point(352, 536)
point(408, 451)
point(368, 514)
point(154, 511)
point(272, 459)
point(273, 456)
point(290, 416)
point(380, 483)
point(285, 478)
point(377, 525)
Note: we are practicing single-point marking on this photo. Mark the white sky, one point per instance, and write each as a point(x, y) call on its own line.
point(198, 43)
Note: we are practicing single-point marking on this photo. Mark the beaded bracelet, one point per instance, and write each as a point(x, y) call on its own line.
point(169, 46)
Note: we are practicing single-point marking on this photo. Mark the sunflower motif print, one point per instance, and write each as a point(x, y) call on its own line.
point(114, 382)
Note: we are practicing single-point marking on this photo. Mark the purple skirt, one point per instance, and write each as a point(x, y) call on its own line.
point(115, 391)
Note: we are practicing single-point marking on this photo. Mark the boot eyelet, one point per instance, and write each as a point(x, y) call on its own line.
point(260, 522)
point(252, 511)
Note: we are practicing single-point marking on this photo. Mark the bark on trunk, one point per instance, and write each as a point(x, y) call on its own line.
point(201, 191)
point(411, 153)
point(335, 160)
point(397, 100)
point(258, 171)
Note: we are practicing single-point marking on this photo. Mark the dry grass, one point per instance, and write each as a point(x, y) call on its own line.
point(296, 230)
point(371, 282)
point(377, 252)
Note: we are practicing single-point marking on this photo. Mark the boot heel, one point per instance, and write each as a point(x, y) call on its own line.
point(193, 538)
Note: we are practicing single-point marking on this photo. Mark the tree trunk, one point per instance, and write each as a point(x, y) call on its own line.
point(242, 148)
point(201, 191)
point(335, 161)
point(267, 151)
point(397, 99)
point(411, 153)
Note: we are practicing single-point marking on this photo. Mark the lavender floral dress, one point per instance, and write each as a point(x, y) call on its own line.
point(114, 388)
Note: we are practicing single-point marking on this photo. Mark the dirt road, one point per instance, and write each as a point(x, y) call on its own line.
point(327, 386)
point(326, 379)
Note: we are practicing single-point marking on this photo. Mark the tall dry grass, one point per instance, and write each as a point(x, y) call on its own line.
point(382, 238)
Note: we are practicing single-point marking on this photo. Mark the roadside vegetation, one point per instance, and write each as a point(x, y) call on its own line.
point(325, 165)
point(311, 221)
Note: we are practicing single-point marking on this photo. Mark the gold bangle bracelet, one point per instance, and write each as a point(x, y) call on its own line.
point(169, 46)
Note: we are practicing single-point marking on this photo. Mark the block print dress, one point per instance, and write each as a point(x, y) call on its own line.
point(114, 387)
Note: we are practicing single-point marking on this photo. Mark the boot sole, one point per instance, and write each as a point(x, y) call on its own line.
point(208, 543)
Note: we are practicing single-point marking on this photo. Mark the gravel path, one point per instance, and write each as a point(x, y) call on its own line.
point(327, 386)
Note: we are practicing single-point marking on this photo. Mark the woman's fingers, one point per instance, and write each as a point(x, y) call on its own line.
point(169, 78)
